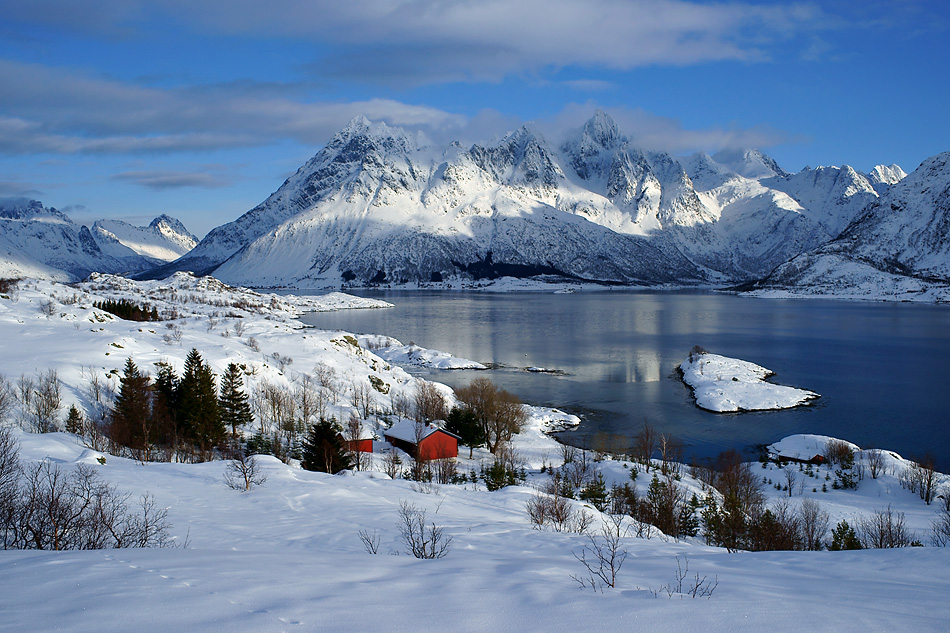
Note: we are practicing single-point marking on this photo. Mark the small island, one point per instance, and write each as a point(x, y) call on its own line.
point(722, 385)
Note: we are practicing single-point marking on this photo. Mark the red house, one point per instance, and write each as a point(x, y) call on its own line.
point(423, 441)
point(360, 446)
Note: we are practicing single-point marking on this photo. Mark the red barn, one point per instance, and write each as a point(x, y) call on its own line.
point(423, 441)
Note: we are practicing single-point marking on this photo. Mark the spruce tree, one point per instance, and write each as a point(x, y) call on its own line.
point(463, 422)
point(131, 423)
point(198, 415)
point(235, 409)
point(324, 449)
point(74, 421)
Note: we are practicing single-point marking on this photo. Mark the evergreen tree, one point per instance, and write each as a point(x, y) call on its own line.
point(198, 416)
point(843, 537)
point(595, 492)
point(235, 409)
point(131, 423)
point(463, 422)
point(74, 421)
point(324, 449)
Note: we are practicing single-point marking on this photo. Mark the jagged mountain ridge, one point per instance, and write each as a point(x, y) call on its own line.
point(903, 235)
point(36, 241)
point(378, 204)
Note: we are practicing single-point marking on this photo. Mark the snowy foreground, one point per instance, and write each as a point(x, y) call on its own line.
point(724, 384)
point(286, 556)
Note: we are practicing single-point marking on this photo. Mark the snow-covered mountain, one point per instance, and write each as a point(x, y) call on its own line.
point(901, 243)
point(377, 204)
point(41, 242)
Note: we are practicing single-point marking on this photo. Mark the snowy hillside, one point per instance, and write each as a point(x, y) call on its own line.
point(288, 553)
point(43, 243)
point(898, 249)
point(378, 205)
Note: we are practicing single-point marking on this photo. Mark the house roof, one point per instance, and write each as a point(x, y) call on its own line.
point(405, 430)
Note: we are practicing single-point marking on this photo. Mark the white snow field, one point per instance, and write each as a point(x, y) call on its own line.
point(724, 384)
point(286, 556)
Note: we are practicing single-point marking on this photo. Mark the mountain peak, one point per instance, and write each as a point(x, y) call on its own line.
point(603, 130)
point(750, 163)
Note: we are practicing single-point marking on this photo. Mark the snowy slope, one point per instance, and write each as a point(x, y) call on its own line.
point(287, 555)
point(899, 248)
point(380, 205)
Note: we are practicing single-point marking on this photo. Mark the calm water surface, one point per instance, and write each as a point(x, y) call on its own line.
point(879, 367)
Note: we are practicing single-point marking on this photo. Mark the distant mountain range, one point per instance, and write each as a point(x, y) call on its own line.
point(36, 241)
point(378, 205)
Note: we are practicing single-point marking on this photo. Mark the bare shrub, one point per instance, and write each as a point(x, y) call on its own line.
point(58, 510)
point(7, 399)
point(814, 524)
point(239, 328)
point(580, 469)
point(700, 587)
point(363, 399)
point(243, 472)
point(837, 451)
point(875, 462)
point(253, 344)
point(46, 402)
point(392, 464)
point(921, 478)
point(885, 528)
point(644, 445)
point(429, 403)
point(370, 541)
point(421, 540)
point(445, 470)
point(603, 556)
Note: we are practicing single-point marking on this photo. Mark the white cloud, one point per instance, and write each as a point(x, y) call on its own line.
point(59, 110)
point(426, 41)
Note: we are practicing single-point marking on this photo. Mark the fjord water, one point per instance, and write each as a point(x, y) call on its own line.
point(880, 367)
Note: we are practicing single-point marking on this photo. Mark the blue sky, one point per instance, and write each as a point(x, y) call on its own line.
point(131, 108)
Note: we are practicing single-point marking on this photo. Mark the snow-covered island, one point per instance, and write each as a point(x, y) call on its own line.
point(395, 352)
point(722, 384)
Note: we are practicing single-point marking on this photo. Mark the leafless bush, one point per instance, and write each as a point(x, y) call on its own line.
point(59, 510)
point(885, 528)
point(243, 472)
point(875, 462)
point(549, 508)
point(421, 541)
point(921, 478)
point(644, 445)
point(282, 361)
point(253, 344)
point(48, 307)
point(239, 328)
point(429, 403)
point(837, 451)
point(7, 398)
point(814, 524)
point(579, 470)
point(444, 470)
point(671, 454)
point(603, 556)
point(700, 587)
point(940, 527)
point(370, 541)
point(363, 400)
point(392, 465)
point(46, 402)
